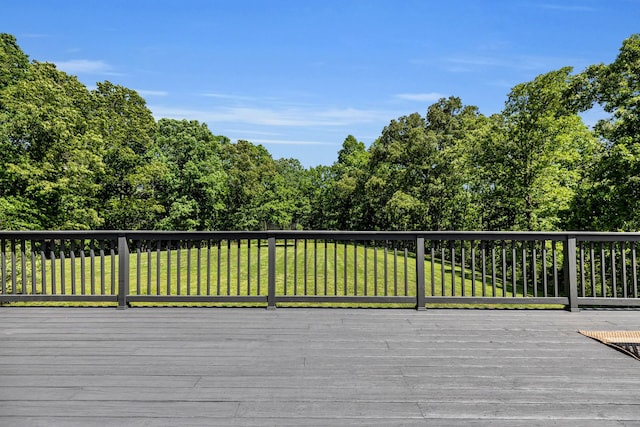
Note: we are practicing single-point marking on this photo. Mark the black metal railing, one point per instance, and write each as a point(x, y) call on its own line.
point(320, 268)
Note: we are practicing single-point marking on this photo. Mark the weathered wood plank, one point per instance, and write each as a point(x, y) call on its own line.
point(179, 366)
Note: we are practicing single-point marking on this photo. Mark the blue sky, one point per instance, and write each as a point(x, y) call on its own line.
point(298, 76)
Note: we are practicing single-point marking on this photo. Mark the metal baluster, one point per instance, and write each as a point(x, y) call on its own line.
point(462, 267)
point(603, 277)
point(238, 263)
point(285, 267)
point(375, 268)
point(453, 267)
point(178, 267)
point(473, 268)
point(209, 266)
point(525, 291)
point(23, 256)
point(592, 256)
point(92, 257)
point(112, 253)
point(395, 268)
point(483, 249)
point(52, 255)
point(494, 276)
point(158, 262)
point(534, 268)
point(386, 283)
point(249, 265)
point(624, 269)
point(63, 281)
point(344, 251)
point(406, 270)
point(72, 260)
point(14, 275)
point(189, 243)
point(503, 252)
point(168, 267)
point(138, 268)
point(582, 275)
point(325, 268)
point(355, 268)
point(199, 269)
point(614, 284)
point(514, 279)
point(295, 266)
point(634, 269)
point(555, 269)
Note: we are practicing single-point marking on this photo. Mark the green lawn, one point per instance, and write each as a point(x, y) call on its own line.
point(320, 268)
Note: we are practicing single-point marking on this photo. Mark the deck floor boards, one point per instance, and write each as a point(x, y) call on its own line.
point(299, 366)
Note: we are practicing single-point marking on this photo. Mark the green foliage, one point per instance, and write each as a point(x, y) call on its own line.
point(14, 64)
point(424, 162)
point(530, 160)
point(50, 153)
point(71, 158)
point(127, 130)
point(611, 199)
point(191, 182)
point(253, 201)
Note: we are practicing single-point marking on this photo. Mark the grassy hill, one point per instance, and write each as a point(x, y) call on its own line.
point(240, 268)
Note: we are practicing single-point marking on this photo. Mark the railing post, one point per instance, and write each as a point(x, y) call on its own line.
point(571, 273)
point(271, 292)
point(420, 291)
point(123, 271)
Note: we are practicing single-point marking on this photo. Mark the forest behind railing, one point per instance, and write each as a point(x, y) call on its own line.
point(320, 268)
point(74, 157)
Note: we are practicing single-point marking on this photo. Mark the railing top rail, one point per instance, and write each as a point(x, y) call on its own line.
point(581, 236)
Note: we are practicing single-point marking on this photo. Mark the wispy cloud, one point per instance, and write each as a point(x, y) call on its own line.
point(143, 92)
point(293, 117)
point(471, 63)
point(290, 142)
point(229, 96)
point(420, 97)
point(85, 66)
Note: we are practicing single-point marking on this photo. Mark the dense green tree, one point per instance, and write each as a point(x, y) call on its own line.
point(49, 160)
point(457, 129)
point(127, 185)
point(252, 202)
point(341, 190)
point(77, 159)
point(192, 184)
point(321, 212)
point(611, 200)
point(14, 63)
point(420, 170)
point(293, 190)
point(532, 160)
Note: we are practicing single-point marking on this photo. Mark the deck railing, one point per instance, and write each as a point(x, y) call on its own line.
point(320, 268)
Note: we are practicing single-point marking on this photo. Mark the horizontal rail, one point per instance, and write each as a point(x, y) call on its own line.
point(268, 268)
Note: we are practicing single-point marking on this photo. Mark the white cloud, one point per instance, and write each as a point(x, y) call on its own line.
point(143, 92)
point(289, 142)
point(472, 63)
point(230, 97)
point(294, 117)
point(85, 66)
point(421, 97)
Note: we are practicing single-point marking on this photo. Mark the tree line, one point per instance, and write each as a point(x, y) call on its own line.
point(74, 158)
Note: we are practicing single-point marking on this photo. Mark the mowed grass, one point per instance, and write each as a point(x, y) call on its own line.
point(233, 268)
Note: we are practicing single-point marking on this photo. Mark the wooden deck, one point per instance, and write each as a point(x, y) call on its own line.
point(291, 367)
